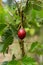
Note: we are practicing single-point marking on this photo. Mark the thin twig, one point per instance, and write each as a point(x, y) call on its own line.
point(27, 3)
point(17, 6)
point(21, 42)
point(10, 13)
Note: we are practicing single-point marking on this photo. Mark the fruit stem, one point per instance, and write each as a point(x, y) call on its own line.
point(21, 42)
point(22, 17)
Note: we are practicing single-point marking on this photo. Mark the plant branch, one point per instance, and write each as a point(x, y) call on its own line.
point(10, 13)
point(21, 42)
point(17, 7)
point(22, 18)
point(27, 3)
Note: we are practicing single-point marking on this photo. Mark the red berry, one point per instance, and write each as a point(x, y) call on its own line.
point(21, 33)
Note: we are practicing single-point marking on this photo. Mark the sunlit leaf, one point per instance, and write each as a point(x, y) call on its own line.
point(14, 62)
point(28, 61)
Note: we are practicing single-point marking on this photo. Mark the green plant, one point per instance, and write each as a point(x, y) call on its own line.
point(28, 15)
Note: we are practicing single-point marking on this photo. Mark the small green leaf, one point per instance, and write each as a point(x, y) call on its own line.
point(37, 7)
point(27, 7)
point(2, 26)
point(34, 46)
point(39, 52)
point(14, 62)
point(28, 61)
point(24, 61)
point(1, 47)
point(2, 15)
point(14, 29)
point(7, 39)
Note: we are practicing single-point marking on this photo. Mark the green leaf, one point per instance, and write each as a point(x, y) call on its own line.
point(34, 46)
point(39, 51)
point(6, 34)
point(2, 15)
point(33, 14)
point(37, 7)
point(24, 61)
point(14, 62)
point(2, 26)
point(7, 39)
point(1, 47)
point(14, 29)
point(40, 13)
point(5, 44)
point(28, 61)
point(27, 7)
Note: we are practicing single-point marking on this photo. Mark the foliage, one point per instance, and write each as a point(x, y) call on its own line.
point(2, 27)
point(25, 61)
point(36, 47)
point(10, 20)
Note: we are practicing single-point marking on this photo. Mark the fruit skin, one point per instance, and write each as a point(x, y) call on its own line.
point(21, 33)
